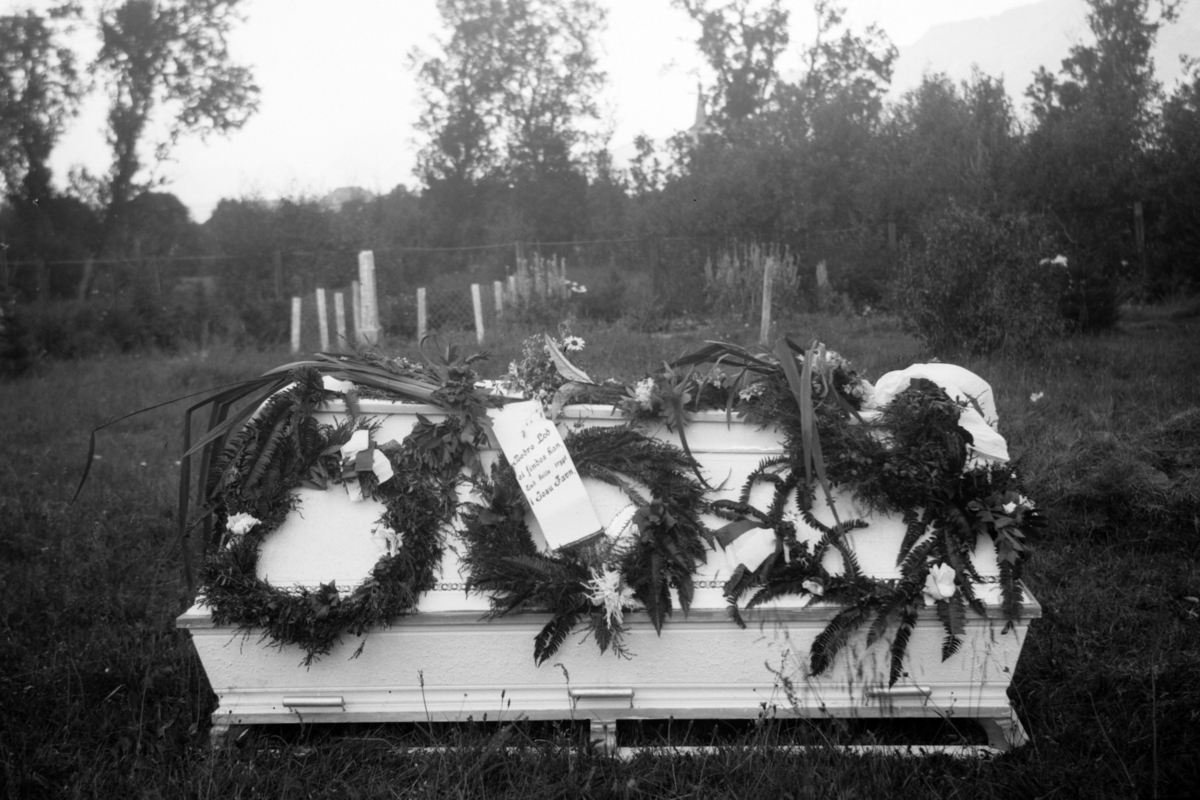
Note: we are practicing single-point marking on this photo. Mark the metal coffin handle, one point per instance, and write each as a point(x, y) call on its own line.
point(330, 701)
point(577, 695)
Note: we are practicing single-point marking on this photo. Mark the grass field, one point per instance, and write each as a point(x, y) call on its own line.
point(100, 696)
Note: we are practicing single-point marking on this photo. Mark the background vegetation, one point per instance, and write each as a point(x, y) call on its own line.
point(820, 165)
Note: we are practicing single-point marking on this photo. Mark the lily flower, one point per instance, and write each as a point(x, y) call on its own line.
point(939, 584)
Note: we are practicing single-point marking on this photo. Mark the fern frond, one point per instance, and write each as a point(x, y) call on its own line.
point(830, 641)
point(953, 615)
point(551, 637)
point(914, 566)
point(915, 525)
point(1011, 593)
point(888, 613)
point(908, 621)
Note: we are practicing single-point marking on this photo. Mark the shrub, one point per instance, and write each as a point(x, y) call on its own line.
point(16, 353)
point(1089, 299)
point(981, 283)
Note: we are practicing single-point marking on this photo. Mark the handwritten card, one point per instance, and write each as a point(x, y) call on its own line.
point(546, 473)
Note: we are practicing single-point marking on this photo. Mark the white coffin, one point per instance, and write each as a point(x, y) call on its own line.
point(447, 663)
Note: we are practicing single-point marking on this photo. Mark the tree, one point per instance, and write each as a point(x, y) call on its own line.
point(507, 106)
point(1176, 225)
point(742, 45)
point(947, 144)
point(848, 67)
point(172, 56)
point(39, 92)
point(1087, 157)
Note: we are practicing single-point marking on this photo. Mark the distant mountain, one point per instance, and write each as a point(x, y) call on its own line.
point(1013, 44)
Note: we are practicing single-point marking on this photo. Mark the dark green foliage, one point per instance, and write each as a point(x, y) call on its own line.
point(501, 559)
point(828, 642)
point(980, 283)
point(16, 354)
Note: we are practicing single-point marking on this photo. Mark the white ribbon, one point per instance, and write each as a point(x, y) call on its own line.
point(332, 384)
point(752, 548)
point(360, 442)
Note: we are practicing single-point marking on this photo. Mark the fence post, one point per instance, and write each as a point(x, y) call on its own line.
point(356, 306)
point(296, 324)
point(498, 296)
point(764, 332)
point(322, 319)
point(339, 319)
point(422, 318)
point(369, 332)
point(477, 303)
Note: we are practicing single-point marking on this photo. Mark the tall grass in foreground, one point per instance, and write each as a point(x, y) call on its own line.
point(100, 696)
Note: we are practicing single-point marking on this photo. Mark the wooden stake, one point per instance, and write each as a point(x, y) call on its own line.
point(323, 320)
point(764, 332)
point(369, 332)
point(339, 319)
point(498, 296)
point(356, 306)
point(477, 303)
point(422, 319)
point(295, 324)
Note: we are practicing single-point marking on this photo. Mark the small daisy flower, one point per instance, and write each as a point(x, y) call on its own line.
point(573, 344)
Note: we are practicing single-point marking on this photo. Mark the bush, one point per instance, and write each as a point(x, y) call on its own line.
point(981, 283)
point(1089, 300)
point(16, 354)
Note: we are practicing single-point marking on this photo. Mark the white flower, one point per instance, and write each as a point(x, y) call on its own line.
point(388, 538)
point(751, 391)
point(609, 591)
point(241, 524)
point(813, 587)
point(1009, 508)
point(643, 393)
point(939, 584)
point(1033, 398)
point(572, 344)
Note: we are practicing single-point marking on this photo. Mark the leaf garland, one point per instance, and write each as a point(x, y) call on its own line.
point(281, 447)
point(661, 555)
point(910, 459)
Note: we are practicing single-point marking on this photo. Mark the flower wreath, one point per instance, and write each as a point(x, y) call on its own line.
point(282, 448)
point(597, 581)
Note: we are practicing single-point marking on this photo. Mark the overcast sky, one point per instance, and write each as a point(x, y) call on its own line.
point(339, 100)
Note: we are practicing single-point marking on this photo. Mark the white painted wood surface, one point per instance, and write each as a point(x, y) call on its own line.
point(447, 663)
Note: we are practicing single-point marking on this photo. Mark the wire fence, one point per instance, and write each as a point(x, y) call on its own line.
point(609, 279)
